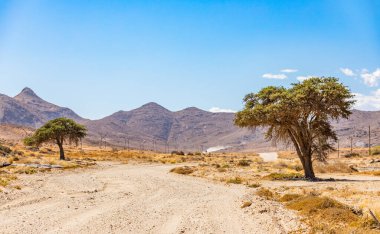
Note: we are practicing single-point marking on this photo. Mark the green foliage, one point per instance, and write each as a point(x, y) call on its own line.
point(300, 115)
point(57, 130)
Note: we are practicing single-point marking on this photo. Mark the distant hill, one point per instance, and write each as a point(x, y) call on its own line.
point(154, 127)
point(357, 128)
point(188, 129)
point(27, 109)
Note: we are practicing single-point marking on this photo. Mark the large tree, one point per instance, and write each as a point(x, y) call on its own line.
point(57, 131)
point(301, 115)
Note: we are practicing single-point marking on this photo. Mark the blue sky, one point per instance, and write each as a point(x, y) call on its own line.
point(98, 57)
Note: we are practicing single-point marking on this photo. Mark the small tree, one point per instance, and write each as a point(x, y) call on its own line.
point(57, 131)
point(300, 114)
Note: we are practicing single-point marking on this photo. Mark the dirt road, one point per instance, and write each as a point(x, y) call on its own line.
point(119, 198)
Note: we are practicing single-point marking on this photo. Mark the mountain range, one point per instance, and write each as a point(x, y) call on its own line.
point(152, 126)
point(27, 109)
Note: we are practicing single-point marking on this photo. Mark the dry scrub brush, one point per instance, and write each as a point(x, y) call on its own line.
point(324, 214)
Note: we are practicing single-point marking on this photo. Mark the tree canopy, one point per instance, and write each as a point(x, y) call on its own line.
point(301, 115)
point(58, 131)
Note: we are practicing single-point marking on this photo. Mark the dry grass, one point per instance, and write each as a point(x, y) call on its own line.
point(283, 176)
point(183, 170)
point(254, 185)
point(332, 167)
point(289, 197)
point(244, 163)
point(235, 180)
point(266, 193)
point(236, 168)
point(332, 216)
point(246, 204)
point(375, 150)
point(287, 155)
point(222, 170)
point(376, 173)
point(311, 204)
point(6, 179)
point(26, 170)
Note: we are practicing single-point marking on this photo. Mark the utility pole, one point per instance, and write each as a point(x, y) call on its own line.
point(351, 144)
point(338, 148)
point(369, 140)
point(124, 129)
point(154, 145)
point(176, 144)
point(125, 142)
point(102, 137)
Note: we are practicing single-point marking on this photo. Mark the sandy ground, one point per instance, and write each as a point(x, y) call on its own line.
point(269, 156)
point(120, 198)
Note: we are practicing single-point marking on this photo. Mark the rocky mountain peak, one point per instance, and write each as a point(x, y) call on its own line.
point(26, 94)
point(152, 106)
point(193, 109)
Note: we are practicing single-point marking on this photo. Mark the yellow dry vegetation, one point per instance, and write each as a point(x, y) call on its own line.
point(185, 170)
point(280, 180)
point(331, 215)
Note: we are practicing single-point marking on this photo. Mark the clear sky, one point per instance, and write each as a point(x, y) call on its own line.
point(98, 57)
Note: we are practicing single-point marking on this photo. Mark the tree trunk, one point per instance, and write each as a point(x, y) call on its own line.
point(308, 168)
point(304, 154)
point(61, 152)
